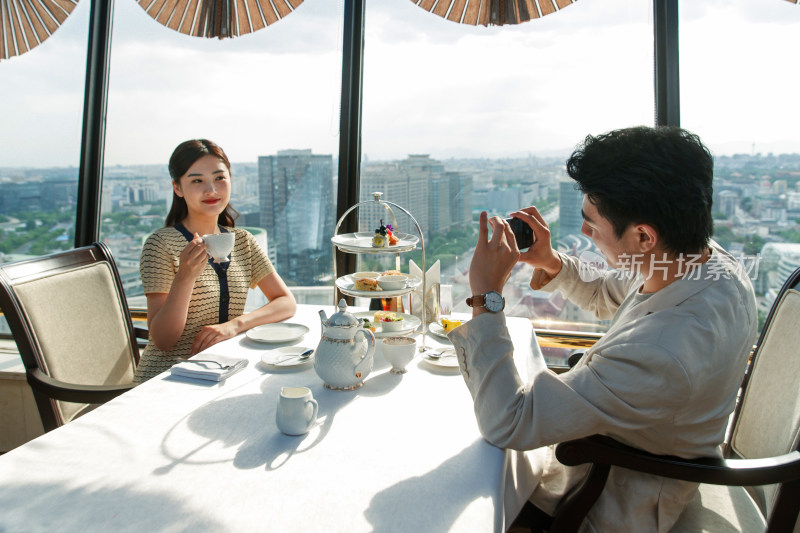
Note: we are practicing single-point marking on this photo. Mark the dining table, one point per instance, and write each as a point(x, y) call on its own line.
point(402, 453)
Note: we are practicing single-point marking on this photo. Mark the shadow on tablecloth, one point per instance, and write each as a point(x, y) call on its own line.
point(433, 501)
point(244, 426)
point(106, 507)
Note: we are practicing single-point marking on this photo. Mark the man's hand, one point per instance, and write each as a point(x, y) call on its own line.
point(493, 259)
point(541, 255)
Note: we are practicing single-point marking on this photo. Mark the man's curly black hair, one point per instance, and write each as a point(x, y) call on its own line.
point(659, 176)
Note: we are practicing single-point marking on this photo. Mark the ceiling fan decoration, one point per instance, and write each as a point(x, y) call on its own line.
point(25, 24)
point(492, 12)
point(218, 18)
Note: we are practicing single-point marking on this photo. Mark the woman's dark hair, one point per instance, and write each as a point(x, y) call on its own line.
point(658, 176)
point(181, 160)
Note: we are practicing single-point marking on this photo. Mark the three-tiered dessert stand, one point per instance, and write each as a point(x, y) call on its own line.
point(361, 243)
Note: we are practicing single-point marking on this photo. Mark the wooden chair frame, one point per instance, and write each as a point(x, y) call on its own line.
point(47, 389)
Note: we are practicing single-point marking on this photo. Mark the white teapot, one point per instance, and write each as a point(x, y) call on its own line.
point(344, 356)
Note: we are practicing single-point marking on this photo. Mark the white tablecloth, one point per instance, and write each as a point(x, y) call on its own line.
point(403, 453)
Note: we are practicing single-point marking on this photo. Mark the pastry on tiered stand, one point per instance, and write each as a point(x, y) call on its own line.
point(381, 238)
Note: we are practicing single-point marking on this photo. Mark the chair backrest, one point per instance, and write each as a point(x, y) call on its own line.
point(767, 420)
point(70, 319)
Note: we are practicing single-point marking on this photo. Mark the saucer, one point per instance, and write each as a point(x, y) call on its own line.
point(450, 361)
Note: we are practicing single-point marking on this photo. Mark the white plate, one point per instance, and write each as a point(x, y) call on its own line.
point(347, 286)
point(437, 329)
point(286, 356)
point(362, 243)
point(451, 361)
point(410, 323)
point(276, 333)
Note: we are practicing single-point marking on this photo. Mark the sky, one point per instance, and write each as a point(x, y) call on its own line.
point(430, 85)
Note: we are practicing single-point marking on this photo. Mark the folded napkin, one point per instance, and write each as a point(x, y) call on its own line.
point(209, 371)
point(430, 290)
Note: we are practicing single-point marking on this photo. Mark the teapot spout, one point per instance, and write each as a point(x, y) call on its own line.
point(323, 317)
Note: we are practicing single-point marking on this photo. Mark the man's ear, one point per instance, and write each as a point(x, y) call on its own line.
point(647, 237)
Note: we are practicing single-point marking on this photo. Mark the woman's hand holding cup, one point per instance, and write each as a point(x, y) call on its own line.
point(193, 259)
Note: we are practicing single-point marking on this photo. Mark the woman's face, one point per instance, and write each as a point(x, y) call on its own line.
point(206, 187)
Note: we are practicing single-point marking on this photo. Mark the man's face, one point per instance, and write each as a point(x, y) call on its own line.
point(601, 231)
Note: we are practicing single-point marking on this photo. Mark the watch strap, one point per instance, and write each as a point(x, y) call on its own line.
point(476, 300)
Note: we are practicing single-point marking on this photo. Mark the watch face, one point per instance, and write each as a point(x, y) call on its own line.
point(494, 301)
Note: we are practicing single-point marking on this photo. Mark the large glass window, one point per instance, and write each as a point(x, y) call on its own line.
point(269, 98)
point(460, 119)
point(456, 119)
point(737, 74)
point(42, 112)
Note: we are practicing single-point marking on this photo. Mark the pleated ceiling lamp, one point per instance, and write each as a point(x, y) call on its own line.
point(25, 24)
point(218, 18)
point(494, 12)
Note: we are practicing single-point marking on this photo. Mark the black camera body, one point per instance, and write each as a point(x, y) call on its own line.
point(522, 233)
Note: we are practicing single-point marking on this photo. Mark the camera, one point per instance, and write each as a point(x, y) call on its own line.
point(522, 233)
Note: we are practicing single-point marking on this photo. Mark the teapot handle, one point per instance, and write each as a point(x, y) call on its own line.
point(370, 342)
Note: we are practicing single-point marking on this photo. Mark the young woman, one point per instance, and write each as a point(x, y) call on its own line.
point(192, 302)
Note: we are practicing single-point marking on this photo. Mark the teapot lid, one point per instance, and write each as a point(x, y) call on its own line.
point(342, 318)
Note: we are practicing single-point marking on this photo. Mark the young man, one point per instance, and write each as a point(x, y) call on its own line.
point(664, 378)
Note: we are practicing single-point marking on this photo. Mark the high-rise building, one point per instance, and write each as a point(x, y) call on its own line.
point(460, 198)
point(298, 209)
point(727, 201)
point(570, 201)
point(401, 185)
point(437, 199)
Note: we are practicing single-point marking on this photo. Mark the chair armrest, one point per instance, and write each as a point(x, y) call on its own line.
point(73, 392)
point(716, 471)
point(603, 452)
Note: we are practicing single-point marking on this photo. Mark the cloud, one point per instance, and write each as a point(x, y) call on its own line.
point(430, 85)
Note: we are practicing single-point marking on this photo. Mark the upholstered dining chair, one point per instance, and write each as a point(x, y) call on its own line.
point(69, 317)
point(756, 487)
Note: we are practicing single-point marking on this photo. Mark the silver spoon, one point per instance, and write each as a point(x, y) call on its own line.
point(441, 354)
point(303, 356)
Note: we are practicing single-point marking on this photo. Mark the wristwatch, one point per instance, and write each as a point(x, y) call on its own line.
point(493, 301)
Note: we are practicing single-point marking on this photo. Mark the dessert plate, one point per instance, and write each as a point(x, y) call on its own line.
point(277, 333)
point(410, 323)
point(438, 330)
point(347, 286)
point(287, 356)
point(361, 242)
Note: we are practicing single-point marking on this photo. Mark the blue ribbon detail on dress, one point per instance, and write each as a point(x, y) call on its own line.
point(221, 270)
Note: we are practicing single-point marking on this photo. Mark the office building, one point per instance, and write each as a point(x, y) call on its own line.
point(297, 204)
point(570, 200)
point(437, 199)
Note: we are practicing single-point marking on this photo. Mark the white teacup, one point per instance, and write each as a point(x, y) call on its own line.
point(297, 410)
point(219, 245)
point(399, 351)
